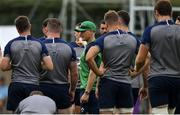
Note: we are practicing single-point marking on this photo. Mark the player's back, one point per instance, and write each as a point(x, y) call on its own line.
point(118, 52)
point(61, 54)
point(25, 55)
point(164, 49)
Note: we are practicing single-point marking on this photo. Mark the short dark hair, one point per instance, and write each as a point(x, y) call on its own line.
point(102, 22)
point(124, 16)
point(178, 18)
point(111, 17)
point(45, 22)
point(22, 23)
point(163, 7)
point(54, 25)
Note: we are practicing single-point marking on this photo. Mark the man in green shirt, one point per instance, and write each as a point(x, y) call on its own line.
point(89, 102)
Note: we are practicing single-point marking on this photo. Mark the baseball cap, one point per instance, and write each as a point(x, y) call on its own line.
point(86, 25)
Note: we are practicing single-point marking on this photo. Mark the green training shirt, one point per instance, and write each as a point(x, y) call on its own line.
point(84, 68)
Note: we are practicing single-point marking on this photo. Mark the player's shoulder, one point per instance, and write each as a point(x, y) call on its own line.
point(149, 28)
point(73, 44)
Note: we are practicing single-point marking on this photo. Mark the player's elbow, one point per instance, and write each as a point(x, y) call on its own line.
point(139, 59)
point(47, 63)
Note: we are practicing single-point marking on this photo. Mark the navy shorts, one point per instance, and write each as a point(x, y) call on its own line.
point(77, 98)
point(92, 106)
point(58, 92)
point(115, 94)
point(164, 90)
point(17, 92)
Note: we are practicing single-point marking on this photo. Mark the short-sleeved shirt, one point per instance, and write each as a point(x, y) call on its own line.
point(85, 70)
point(163, 39)
point(79, 50)
point(62, 54)
point(118, 50)
point(137, 40)
point(26, 54)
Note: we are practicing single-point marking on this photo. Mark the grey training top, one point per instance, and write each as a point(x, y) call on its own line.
point(118, 50)
point(163, 39)
point(26, 54)
point(36, 104)
point(62, 54)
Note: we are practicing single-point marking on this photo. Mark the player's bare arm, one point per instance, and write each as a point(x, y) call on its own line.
point(47, 63)
point(141, 57)
point(90, 58)
point(5, 64)
point(74, 78)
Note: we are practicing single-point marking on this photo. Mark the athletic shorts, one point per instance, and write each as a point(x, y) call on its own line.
point(17, 92)
point(92, 106)
point(115, 94)
point(58, 92)
point(164, 90)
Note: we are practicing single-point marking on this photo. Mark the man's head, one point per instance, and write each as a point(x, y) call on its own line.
point(103, 27)
point(36, 93)
point(44, 26)
point(163, 8)
point(22, 24)
point(76, 32)
point(178, 20)
point(87, 29)
point(124, 17)
point(111, 18)
point(54, 26)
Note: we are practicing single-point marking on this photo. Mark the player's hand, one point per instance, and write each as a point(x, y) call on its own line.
point(133, 73)
point(102, 70)
point(84, 98)
point(81, 42)
point(143, 93)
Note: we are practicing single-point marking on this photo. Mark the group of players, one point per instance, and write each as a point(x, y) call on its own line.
point(103, 66)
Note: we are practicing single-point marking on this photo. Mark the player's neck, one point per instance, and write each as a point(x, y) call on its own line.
point(53, 35)
point(124, 28)
point(163, 18)
point(25, 33)
point(113, 28)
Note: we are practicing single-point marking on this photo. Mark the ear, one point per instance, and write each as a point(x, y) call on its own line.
point(30, 26)
point(45, 29)
point(156, 13)
point(106, 25)
point(121, 22)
